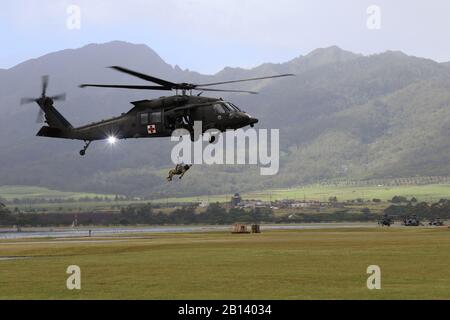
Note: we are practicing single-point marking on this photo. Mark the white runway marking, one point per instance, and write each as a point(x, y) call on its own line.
point(12, 258)
point(58, 241)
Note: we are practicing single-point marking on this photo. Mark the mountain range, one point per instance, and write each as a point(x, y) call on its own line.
point(343, 115)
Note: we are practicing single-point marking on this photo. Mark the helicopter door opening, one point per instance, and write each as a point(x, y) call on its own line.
point(173, 122)
point(187, 120)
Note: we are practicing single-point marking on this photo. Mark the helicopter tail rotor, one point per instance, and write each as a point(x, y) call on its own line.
point(43, 100)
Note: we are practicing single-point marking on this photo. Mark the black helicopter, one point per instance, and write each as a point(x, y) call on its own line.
point(385, 221)
point(149, 118)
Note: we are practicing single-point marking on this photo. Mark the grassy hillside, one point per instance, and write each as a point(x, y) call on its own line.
point(342, 116)
point(10, 193)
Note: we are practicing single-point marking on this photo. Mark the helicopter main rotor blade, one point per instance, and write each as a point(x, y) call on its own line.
point(40, 116)
point(119, 86)
point(225, 90)
point(145, 77)
point(167, 85)
point(244, 80)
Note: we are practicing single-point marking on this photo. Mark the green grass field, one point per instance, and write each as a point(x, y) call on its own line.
point(432, 192)
point(21, 192)
point(307, 264)
point(428, 193)
point(322, 193)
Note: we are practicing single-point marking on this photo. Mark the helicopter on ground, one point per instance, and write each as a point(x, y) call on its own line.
point(436, 222)
point(412, 221)
point(149, 118)
point(385, 221)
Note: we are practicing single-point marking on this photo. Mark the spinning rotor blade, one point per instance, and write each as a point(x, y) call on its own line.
point(59, 97)
point(43, 100)
point(119, 86)
point(40, 116)
point(244, 80)
point(146, 77)
point(225, 90)
point(167, 85)
point(44, 85)
point(27, 100)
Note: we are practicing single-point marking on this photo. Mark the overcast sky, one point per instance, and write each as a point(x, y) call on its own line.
point(207, 35)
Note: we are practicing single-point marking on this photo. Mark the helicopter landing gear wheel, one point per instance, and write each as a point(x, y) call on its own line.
point(83, 151)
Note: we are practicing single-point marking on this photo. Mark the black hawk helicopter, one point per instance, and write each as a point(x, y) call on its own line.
point(149, 118)
point(385, 221)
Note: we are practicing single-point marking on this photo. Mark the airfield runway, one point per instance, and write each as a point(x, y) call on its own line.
point(114, 231)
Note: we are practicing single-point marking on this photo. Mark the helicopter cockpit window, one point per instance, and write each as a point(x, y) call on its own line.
point(228, 107)
point(232, 107)
point(144, 118)
point(155, 117)
point(219, 108)
point(236, 107)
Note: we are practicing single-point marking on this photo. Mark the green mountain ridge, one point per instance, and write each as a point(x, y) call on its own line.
point(344, 115)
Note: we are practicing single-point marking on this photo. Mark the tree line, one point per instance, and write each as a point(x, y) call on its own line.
point(440, 209)
point(140, 215)
point(215, 214)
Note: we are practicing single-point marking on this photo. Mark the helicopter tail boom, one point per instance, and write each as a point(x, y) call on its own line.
point(54, 118)
point(50, 132)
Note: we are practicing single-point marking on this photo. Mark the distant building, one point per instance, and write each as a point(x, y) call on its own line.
point(285, 203)
point(204, 204)
point(236, 200)
point(307, 204)
point(299, 205)
point(296, 204)
point(253, 204)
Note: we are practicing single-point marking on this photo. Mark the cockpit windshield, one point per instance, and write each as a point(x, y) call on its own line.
point(220, 108)
point(231, 106)
point(225, 107)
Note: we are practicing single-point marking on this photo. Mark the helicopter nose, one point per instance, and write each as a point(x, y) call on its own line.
point(253, 121)
point(250, 120)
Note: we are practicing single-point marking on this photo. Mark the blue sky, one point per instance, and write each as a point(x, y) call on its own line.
point(207, 35)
